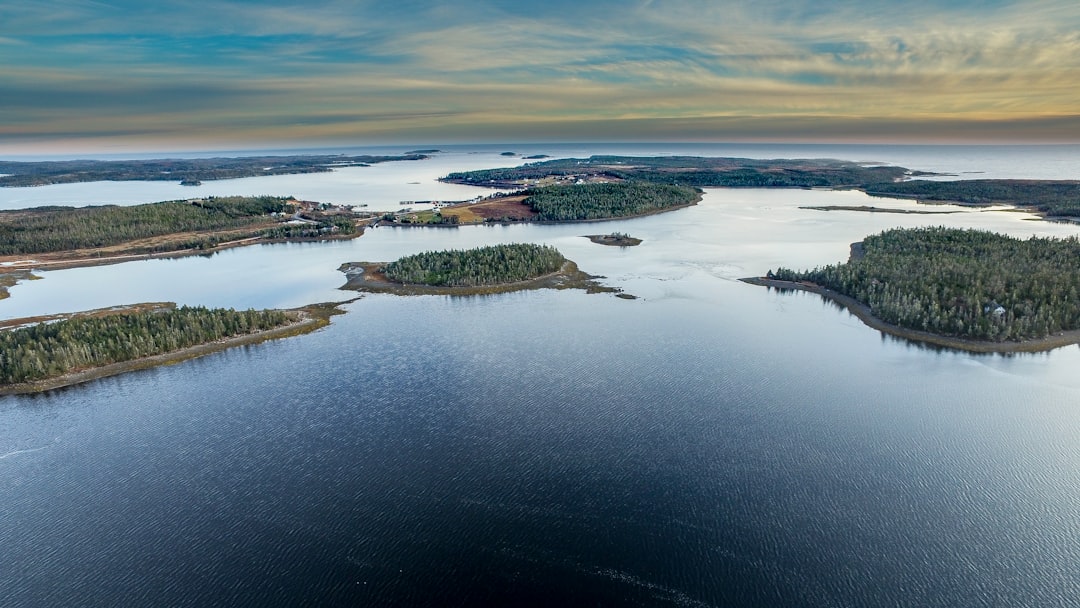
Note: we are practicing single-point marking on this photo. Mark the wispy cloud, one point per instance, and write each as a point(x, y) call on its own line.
point(232, 68)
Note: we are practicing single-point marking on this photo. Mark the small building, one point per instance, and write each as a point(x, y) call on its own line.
point(995, 310)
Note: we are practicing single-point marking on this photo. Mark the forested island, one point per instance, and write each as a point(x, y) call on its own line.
point(491, 269)
point(968, 289)
point(188, 171)
point(61, 350)
point(79, 235)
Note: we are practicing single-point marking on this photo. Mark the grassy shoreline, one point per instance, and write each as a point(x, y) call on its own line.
point(864, 314)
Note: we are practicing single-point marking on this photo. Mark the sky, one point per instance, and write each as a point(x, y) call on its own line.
point(204, 74)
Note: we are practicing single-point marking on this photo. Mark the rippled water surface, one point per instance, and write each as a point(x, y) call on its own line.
point(709, 444)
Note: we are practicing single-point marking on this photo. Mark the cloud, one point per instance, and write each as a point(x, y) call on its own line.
point(373, 67)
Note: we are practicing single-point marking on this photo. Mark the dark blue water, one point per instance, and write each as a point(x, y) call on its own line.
point(710, 444)
point(550, 448)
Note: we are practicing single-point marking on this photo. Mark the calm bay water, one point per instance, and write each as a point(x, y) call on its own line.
point(711, 443)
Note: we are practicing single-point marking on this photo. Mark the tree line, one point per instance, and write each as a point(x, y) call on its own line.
point(1054, 198)
point(963, 283)
point(605, 200)
point(52, 349)
point(51, 229)
point(494, 265)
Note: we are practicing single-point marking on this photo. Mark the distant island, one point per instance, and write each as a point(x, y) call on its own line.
point(965, 289)
point(186, 171)
point(44, 353)
point(62, 237)
point(483, 270)
point(694, 171)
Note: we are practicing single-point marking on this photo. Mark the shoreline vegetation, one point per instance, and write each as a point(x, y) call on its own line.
point(66, 237)
point(479, 271)
point(13, 278)
point(186, 171)
point(967, 289)
point(65, 330)
point(864, 314)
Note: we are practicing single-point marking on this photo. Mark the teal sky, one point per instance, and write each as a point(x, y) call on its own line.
point(127, 74)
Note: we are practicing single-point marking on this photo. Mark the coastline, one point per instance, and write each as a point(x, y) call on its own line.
point(62, 260)
point(864, 314)
point(308, 319)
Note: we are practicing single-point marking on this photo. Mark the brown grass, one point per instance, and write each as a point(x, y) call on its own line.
point(498, 208)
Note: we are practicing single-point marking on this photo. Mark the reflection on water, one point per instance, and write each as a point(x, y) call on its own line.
point(729, 235)
point(709, 444)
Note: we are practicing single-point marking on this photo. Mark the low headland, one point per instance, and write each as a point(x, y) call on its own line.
point(53, 351)
point(480, 271)
point(12, 278)
point(964, 289)
point(872, 209)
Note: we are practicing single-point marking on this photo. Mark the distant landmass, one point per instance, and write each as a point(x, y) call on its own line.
point(186, 171)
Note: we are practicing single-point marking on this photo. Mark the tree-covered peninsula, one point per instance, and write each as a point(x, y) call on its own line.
point(52, 349)
point(967, 284)
point(193, 224)
point(1053, 198)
